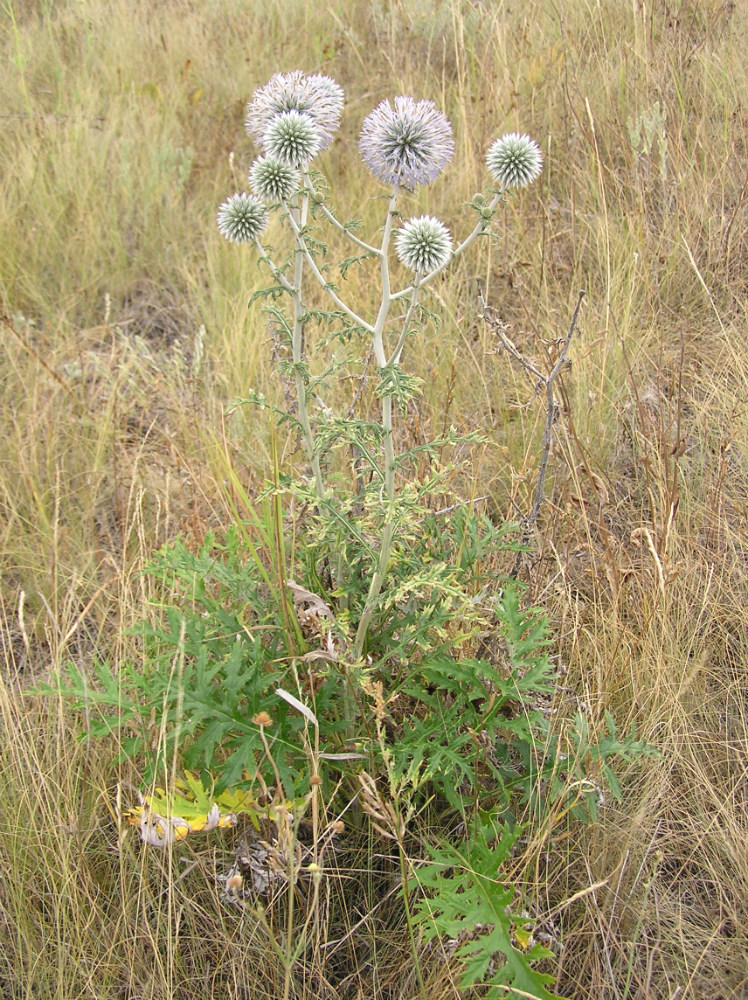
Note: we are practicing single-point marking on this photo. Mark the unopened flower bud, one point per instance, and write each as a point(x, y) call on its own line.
point(273, 179)
point(241, 218)
point(423, 244)
point(292, 138)
point(514, 160)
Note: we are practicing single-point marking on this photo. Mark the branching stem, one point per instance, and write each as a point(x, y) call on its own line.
point(337, 224)
point(297, 353)
point(304, 250)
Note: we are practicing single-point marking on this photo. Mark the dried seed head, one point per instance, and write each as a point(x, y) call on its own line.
point(234, 883)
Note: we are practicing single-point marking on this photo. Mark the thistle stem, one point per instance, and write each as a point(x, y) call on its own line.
point(334, 221)
point(297, 353)
point(304, 250)
point(275, 270)
point(397, 353)
point(385, 547)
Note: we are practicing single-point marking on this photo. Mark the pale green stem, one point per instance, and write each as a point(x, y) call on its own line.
point(385, 548)
point(297, 353)
point(397, 353)
point(339, 225)
point(301, 243)
point(294, 290)
point(480, 227)
point(346, 232)
point(276, 271)
point(389, 450)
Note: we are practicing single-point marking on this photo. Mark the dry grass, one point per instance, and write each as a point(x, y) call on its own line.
point(117, 123)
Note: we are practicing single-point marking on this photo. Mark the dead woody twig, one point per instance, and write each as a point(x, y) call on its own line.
point(544, 382)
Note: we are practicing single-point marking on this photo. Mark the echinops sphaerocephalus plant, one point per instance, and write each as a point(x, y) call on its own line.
point(423, 244)
point(514, 160)
point(393, 623)
point(317, 95)
point(405, 143)
point(292, 137)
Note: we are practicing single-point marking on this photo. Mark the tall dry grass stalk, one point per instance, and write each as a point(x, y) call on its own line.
point(121, 127)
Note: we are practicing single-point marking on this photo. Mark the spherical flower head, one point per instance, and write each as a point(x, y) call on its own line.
point(241, 218)
point(273, 180)
point(423, 244)
point(292, 138)
point(409, 144)
point(318, 96)
point(514, 160)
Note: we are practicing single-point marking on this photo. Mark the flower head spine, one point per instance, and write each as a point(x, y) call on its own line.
point(514, 160)
point(317, 95)
point(409, 144)
point(273, 179)
point(423, 244)
point(241, 218)
point(292, 138)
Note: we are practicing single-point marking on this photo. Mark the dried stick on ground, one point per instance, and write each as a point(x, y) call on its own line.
point(546, 382)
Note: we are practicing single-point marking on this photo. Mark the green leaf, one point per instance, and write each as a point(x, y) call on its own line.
point(465, 899)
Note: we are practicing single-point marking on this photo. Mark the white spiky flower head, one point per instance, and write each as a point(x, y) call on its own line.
point(317, 95)
point(514, 160)
point(241, 218)
point(408, 144)
point(272, 179)
point(423, 244)
point(292, 138)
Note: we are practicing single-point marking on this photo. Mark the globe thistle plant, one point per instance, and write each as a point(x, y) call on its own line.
point(292, 138)
point(406, 143)
point(409, 144)
point(423, 244)
point(273, 180)
point(317, 95)
point(514, 160)
point(241, 218)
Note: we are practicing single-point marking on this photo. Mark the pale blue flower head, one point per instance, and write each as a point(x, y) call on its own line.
point(409, 144)
point(241, 218)
point(514, 160)
point(292, 138)
point(273, 179)
point(317, 95)
point(423, 244)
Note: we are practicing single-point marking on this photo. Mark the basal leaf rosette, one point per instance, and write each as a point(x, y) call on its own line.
point(316, 95)
point(423, 244)
point(514, 160)
point(408, 144)
point(241, 218)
